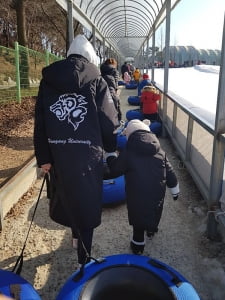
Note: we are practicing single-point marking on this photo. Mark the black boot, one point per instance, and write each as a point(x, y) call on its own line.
point(150, 234)
point(137, 247)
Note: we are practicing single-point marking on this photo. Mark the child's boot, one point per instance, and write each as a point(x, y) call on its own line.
point(137, 247)
point(150, 234)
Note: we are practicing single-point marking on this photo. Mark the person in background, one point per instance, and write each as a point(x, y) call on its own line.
point(147, 172)
point(148, 103)
point(75, 119)
point(110, 73)
point(137, 75)
point(145, 81)
point(124, 68)
point(127, 77)
point(131, 69)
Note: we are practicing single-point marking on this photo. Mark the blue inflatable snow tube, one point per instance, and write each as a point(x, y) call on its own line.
point(133, 100)
point(114, 190)
point(127, 277)
point(121, 141)
point(156, 128)
point(134, 114)
point(132, 85)
point(9, 282)
point(120, 82)
point(142, 84)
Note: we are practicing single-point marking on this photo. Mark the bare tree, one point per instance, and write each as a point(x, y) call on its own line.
point(34, 24)
point(19, 6)
point(39, 25)
point(7, 25)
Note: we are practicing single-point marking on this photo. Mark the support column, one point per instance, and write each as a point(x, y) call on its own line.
point(70, 28)
point(217, 169)
point(153, 54)
point(147, 55)
point(103, 50)
point(94, 37)
point(166, 65)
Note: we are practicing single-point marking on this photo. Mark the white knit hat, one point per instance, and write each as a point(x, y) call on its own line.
point(135, 125)
point(80, 45)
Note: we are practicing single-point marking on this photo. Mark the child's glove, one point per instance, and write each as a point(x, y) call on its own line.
point(175, 191)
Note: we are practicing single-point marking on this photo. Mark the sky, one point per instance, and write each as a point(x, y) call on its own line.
point(198, 23)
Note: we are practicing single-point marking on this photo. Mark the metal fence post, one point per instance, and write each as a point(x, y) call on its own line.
point(17, 60)
point(46, 57)
point(217, 169)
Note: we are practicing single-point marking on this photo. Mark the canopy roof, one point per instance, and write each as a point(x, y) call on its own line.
point(124, 24)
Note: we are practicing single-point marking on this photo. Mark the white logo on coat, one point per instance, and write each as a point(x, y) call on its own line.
point(70, 107)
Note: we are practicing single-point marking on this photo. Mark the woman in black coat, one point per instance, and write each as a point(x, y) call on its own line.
point(147, 173)
point(111, 75)
point(75, 119)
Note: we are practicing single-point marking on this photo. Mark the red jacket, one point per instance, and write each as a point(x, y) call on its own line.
point(149, 102)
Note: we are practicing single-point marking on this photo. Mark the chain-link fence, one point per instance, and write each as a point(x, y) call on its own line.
point(20, 72)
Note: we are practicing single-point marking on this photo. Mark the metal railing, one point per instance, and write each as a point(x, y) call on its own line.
point(194, 141)
point(200, 146)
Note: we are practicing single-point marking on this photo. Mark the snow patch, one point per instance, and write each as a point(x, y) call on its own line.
point(197, 86)
point(208, 69)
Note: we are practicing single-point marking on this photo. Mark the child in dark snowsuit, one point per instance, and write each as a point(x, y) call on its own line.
point(147, 173)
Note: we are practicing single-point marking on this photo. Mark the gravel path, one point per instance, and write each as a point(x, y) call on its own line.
point(181, 242)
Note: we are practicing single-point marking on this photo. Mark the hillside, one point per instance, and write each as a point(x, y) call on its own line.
point(16, 131)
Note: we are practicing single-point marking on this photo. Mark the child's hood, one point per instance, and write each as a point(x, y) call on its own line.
point(70, 74)
point(81, 46)
point(79, 67)
point(143, 142)
point(136, 124)
point(108, 70)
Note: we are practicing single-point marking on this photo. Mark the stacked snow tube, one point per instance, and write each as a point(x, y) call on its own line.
point(12, 284)
point(134, 114)
point(143, 83)
point(156, 127)
point(127, 276)
point(121, 141)
point(114, 191)
point(120, 82)
point(132, 85)
point(133, 100)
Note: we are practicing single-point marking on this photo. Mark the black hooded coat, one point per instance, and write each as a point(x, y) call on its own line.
point(147, 173)
point(75, 119)
point(111, 75)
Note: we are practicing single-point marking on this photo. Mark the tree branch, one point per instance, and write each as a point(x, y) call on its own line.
point(50, 19)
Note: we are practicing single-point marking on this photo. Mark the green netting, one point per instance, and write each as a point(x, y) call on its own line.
point(8, 74)
point(21, 72)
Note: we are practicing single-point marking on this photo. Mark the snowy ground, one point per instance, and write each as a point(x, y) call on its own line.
point(196, 87)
